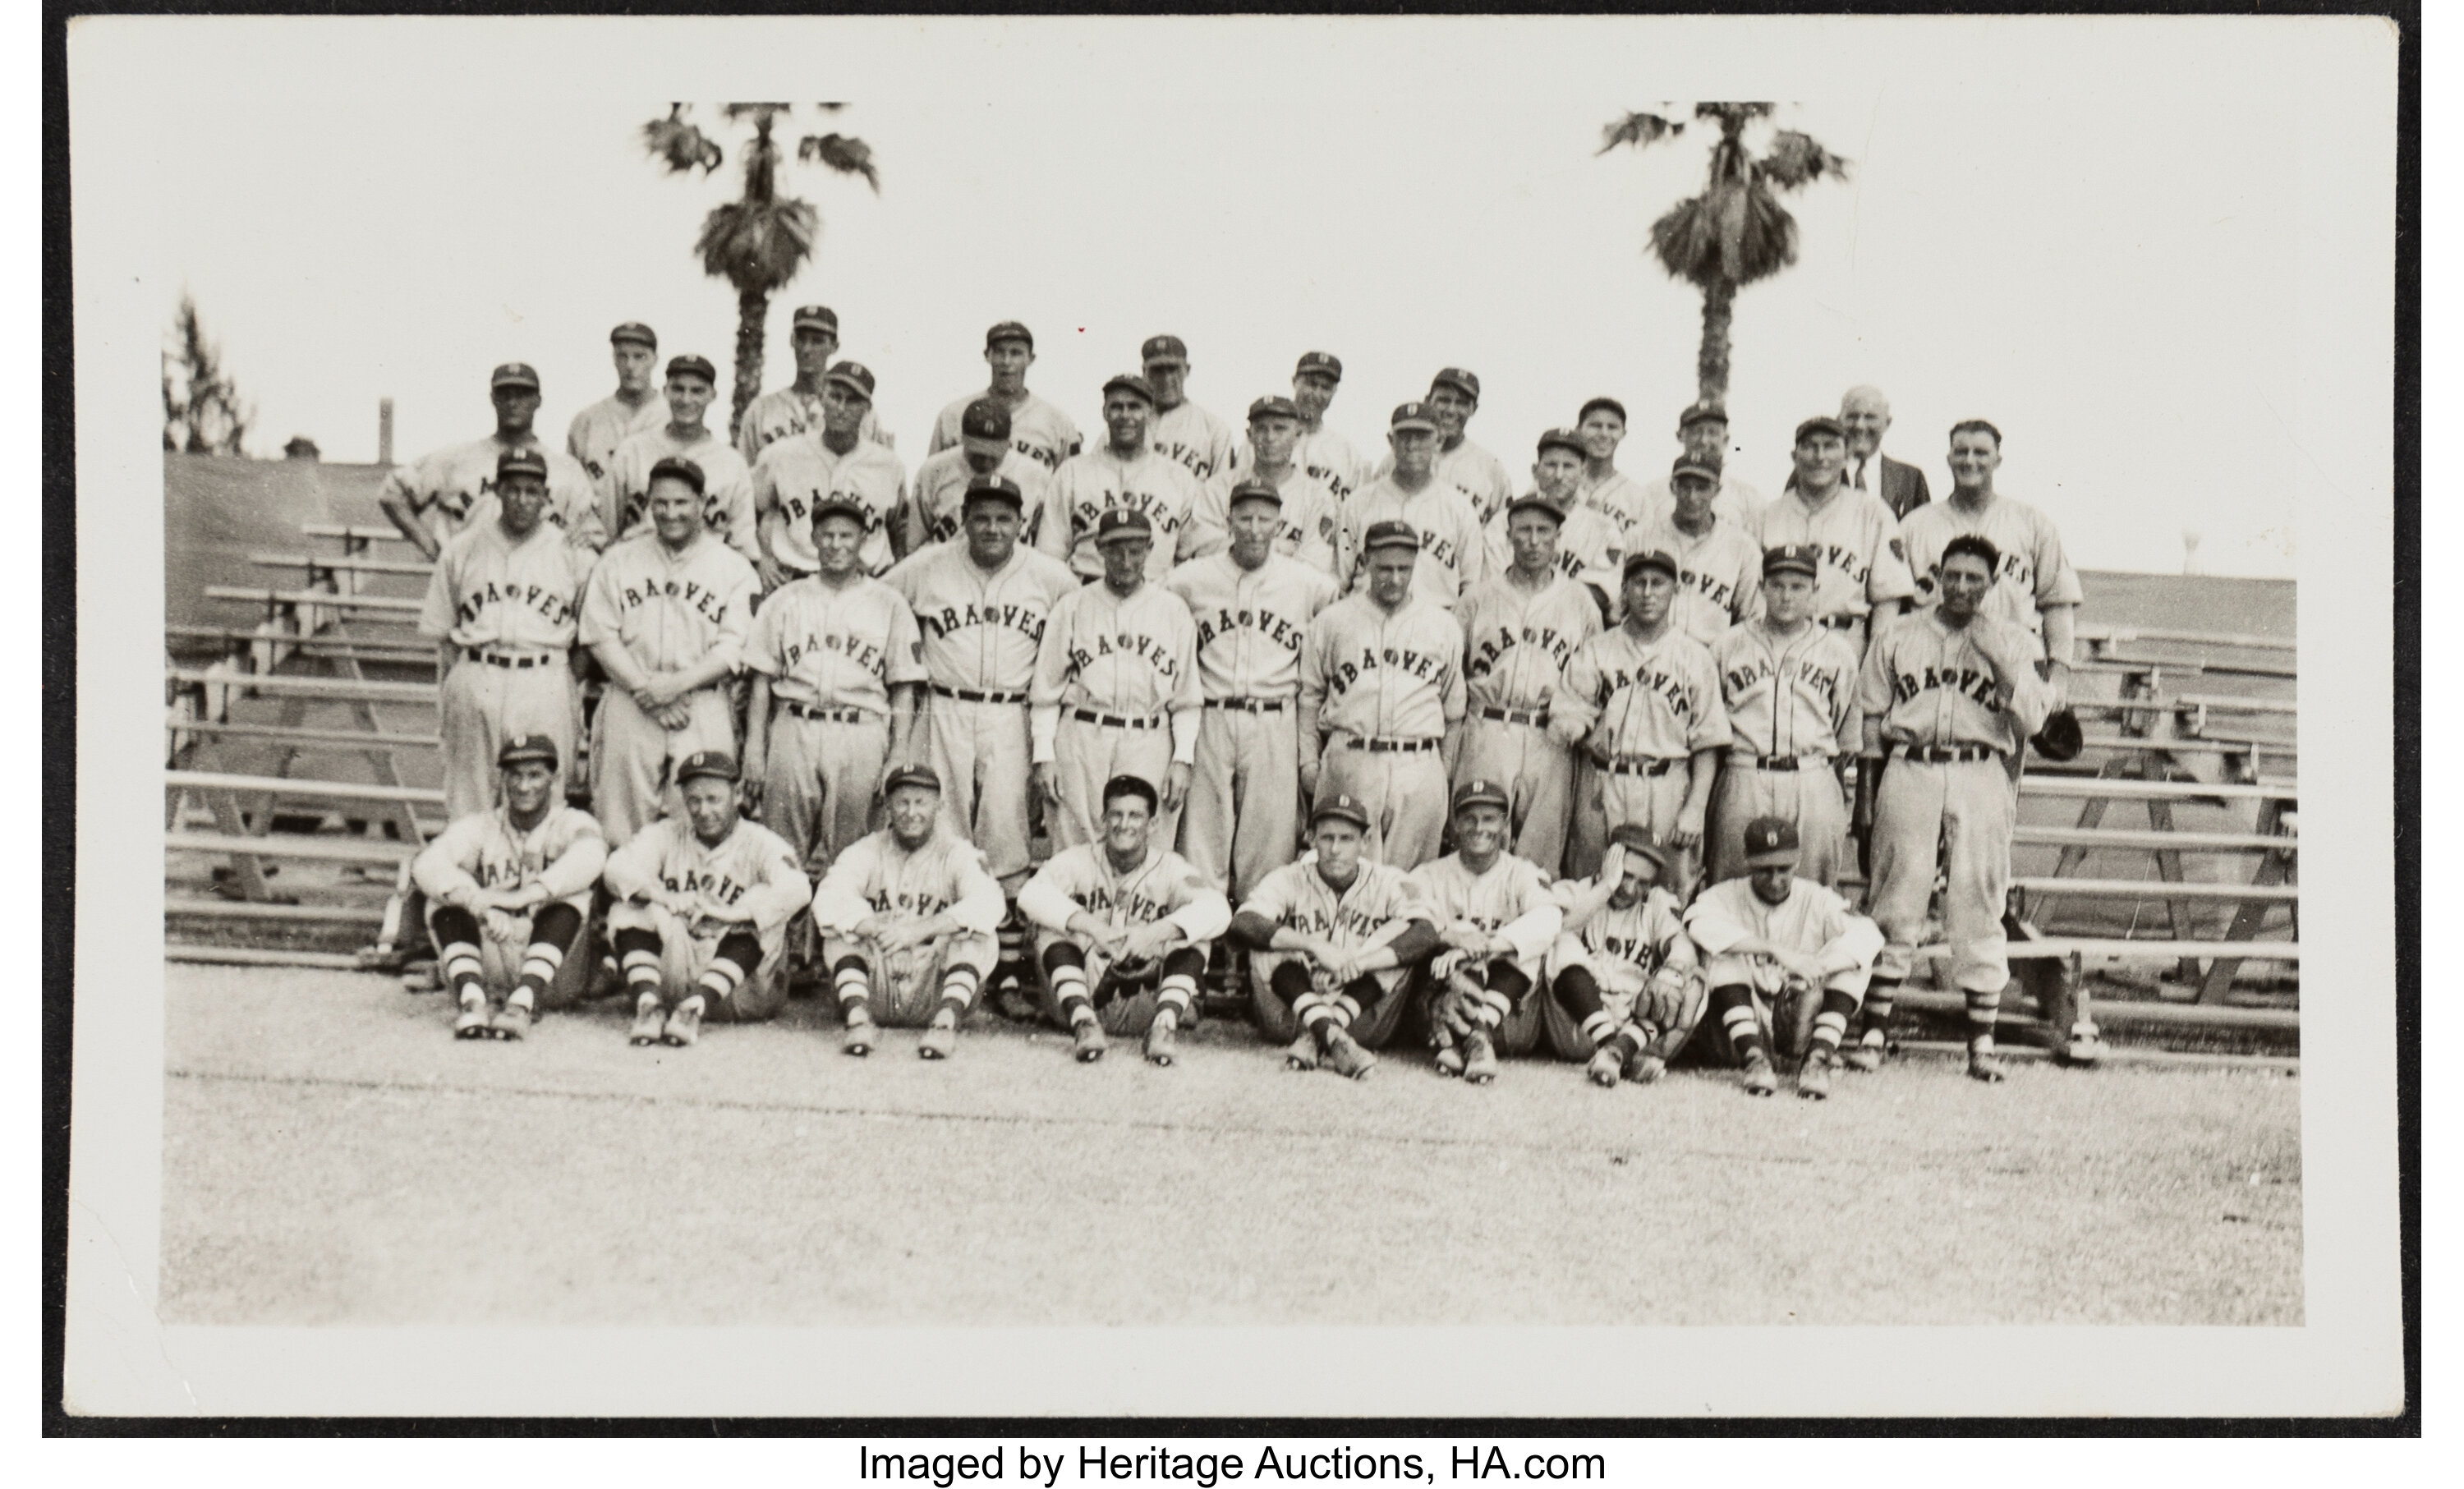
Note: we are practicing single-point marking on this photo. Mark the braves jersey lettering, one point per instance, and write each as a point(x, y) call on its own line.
point(1519, 641)
point(727, 485)
point(563, 853)
point(1251, 624)
point(1377, 906)
point(937, 510)
point(750, 875)
point(1099, 481)
point(1636, 698)
point(1193, 439)
point(784, 413)
point(1454, 551)
point(597, 430)
point(799, 473)
point(671, 610)
point(981, 630)
point(488, 590)
point(1370, 673)
point(2034, 574)
point(878, 875)
point(1930, 683)
point(1856, 545)
point(1038, 431)
point(455, 489)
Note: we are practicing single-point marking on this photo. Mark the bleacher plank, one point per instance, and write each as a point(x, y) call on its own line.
point(391, 653)
point(290, 789)
point(2131, 838)
point(2107, 634)
point(259, 957)
point(2155, 889)
point(2124, 1014)
point(348, 739)
point(2032, 784)
point(365, 534)
point(2120, 948)
point(294, 846)
point(312, 561)
point(247, 910)
point(338, 689)
point(381, 604)
point(2227, 703)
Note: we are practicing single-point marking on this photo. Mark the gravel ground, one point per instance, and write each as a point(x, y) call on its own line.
point(332, 1156)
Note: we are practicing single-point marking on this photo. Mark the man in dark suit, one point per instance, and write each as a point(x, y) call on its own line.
point(1865, 413)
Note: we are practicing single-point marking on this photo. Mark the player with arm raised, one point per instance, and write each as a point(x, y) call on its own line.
point(727, 486)
point(1791, 689)
point(1495, 921)
point(439, 497)
point(636, 405)
point(798, 475)
point(1625, 991)
point(784, 413)
point(1037, 429)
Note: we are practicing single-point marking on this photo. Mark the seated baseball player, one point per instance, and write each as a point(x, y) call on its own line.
point(507, 891)
point(700, 912)
point(1495, 921)
point(1777, 945)
point(1625, 988)
point(908, 916)
point(1122, 929)
point(1332, 939)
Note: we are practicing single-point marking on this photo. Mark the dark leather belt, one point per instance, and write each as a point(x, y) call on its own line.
point(1537, 720)
point(1250, 705)
point(1377, 745)
point(1116, 721)
point(1843, 622)
point(1779, 762)
point(517, 663)
point(972, 695)
point(830, 715)
point(1643, 767)
point(1945, 754)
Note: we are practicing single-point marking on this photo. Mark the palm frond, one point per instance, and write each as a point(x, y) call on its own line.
point(1734, 117)
point(1637, 130)
point(1796, 158)
point(830, 108)
point(844, 154)
point(678, 144)
point(1686, 241)
point(758, 247)
point(1765, 239)
point(758, 113)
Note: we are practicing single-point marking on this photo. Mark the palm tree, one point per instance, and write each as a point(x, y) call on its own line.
point(1736, 231)
point(758, 242)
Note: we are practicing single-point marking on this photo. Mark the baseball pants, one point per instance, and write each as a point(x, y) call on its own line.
point(685, 959)
point(1616, 797)
point(1280, 979)
point(904, 989)
point(1585, 985)
point(633, 757)
point(1404, 792)
point(819, 787)
point(480, 706)
point(1539, 777)
point(1807, 796)
point(1087, 755)
point(460, 933)
point(980, 751)
point(1244, 800)
point(1125, 1002)
point(1965, 806)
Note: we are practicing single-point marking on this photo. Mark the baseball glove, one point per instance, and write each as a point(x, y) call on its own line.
point(1662, 1004)
point(1794, 1008)
point(905, 991)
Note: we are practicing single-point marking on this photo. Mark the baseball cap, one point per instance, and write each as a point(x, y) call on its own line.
point(985, 420)
point(1480, 791)
point(1390, 535)
point(526, 460)
point(1819, 424)
point(514, 374)
point(1253, 489)
point(836, 505)
point(1769, 841)
point(1009, 331)
point(1650, 559)
point(913, 775)
point(1687, 465)
point(1637, 838)
point(707, 762)
point(1132, 382)
point(1324, 365)
point(684, 471)
point(821, 318)
point(1562, 439)
point(1413, 415)
point(1704, 412)
point(1791, 558)
point(1458, 379)
point(521, 748)
point(1163, 348)
point(1342, 808)
point(1533, 501)
point(690, 366)
point(989, 487)
point(852, 374)
point(1131, 786)
point(1602, 402)
point(635, 332)
point(1122, 522)
point(1274, 405)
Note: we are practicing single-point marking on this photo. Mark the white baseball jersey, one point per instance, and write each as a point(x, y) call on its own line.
point(488, 590)
point(749, 877)
point(1630, 697)
point(1859, 555)
point(1641, 938)
point(1332, 459)
point(1194, 439)
point(597, 430)
point(938, 507)
point(1038, 430)
point(1734, 501)
point(981, 630)
point(784, 413)
point(727, 486)
point(484, 850)
point(1510, 900)
point(1789, 694)
point(836, 648)
point(456, 487)
point(1478, 476)
point(1311, 527)
point(878, 876)
point(671, 610)
point(1379, 904)
point(1454, 550)
point(1251, 623)
point(1812, 920)
point(2034, 572)
point(1616, 496)
point(795, 474)
point(1589, 548)
point(1517, 642)
point(1929, 685)
point(1087, 486)
point(1131, 658)
point(1161, 888)
point(1380, 674)
point(1719, 574)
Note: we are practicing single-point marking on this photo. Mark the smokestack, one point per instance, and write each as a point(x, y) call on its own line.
point(2191, 551)
point(384, 431)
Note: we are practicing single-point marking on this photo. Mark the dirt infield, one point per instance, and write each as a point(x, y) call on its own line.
point(333, 1158)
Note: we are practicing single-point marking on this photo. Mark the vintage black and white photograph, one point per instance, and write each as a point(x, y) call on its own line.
point(1235, 716)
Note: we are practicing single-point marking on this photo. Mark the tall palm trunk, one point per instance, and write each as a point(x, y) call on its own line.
point(1711, 362)
point(752, 313)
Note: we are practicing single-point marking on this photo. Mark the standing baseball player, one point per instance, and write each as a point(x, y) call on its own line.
point(1126, 474)
point(1865, 416)
point(1182, 433)
point(784, 413)
point(727, 486)
point(1625, 990)
point(1601, 426)
point(1790, 691)
point(1324, 454)
point(1310, 526)
point(2035, 587)
point(1252, 607)
point(505, 597)
point(1779, 946)
point(508, 890)
point(1641, 702)
point(1949, 695)
point(1116, 689)
point(1037, 429)
point(1521, 627)
point(1719, 564)
point(837, 651)
point(439, 496)
point(907, 917)
point(1703, 432)
point(936, 511)
point(1865, 580)
point(701, 903)
point(635, 407)
point(666, 615)
point(1588, 546)
point(1122, 929)
point(1333, 940)
point(1454, 397)
point(834, 464)
point(1495, 921)
point(1381, 694)
point(1454, 551)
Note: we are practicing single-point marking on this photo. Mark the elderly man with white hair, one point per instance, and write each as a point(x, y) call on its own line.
point(1865, 413)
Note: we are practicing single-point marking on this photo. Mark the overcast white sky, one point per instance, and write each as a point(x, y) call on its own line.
point(2086, 232)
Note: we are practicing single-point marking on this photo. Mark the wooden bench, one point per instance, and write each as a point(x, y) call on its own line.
point(2176, 889)
point(331, 689)
point(2098, 635)
point(2153, 839)
point(303, 789)
point(247, 909)
point(352, 535)
point(408, 610)
point(315, 564)
point(294, 846)
point(391, 653)
point(2124, 788)
point(353, 738)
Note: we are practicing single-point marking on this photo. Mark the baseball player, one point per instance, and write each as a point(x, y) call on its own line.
point(508, 890)
point(1703, 431)
point(1790, 691)
point(1454, 551)
point(1454, 397)
point(1037, 429)
point(2035, 587)
point(1601, 426)
point(838, 652)
point(907, 917)
point(701, 906)
point(983, 606)
point(1381, 694)
point(1521, 627)
point(1625, 990)
point(1719, 564)
point(1865, 415)
point(1326, 455)
point(1122, 929)
point(1495, 921)
point(1778, 946)
point(1116, 689)
point(1182, 433)
point(1864, 578)
point(1638, 701)
point(1125, 476)
point(635, 407)
point(437, 497)
point(727, 486)
point(1253, 606)
point(937, 511)
point(1588, 545)
point(1949, 695)
point(833, 464)
point(505, 597)
point(1310, 527)
point(666, 615)
point(784, 413)
point(1333, 940)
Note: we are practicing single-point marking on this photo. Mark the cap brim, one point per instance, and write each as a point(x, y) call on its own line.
point(857, 389)
point(1777, 857)
point(1339, 815)
point(1430, 425)
point(1121, 536)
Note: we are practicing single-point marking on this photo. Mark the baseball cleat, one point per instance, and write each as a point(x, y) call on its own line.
point(1983, 1067)
point(649, 1018)
point(1646, 1069)
point(1864, 1058)
point(471, 1022)
point(859, 1036)
point(1160, 1035)
point(1450, 1061)
point(939, 1041)
point(1086, 1039)
point(684, 1025)
point(1479, 1058)
point(1606, 1066)
point(1761, 1079)
point(1344, 1053)
point(1303, 1053)
point(512, 1022)
point(1814, 1077)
